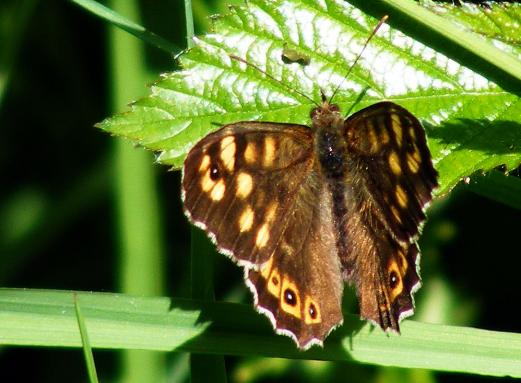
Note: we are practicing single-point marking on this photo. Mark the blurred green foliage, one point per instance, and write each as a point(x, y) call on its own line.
point(60, 202)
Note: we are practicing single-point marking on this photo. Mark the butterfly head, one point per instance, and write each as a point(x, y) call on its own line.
point(326, 113)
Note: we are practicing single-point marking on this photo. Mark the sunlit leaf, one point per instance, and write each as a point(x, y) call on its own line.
point(471, 123)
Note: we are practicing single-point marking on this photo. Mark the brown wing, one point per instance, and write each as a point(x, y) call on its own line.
point(389, 150)
point(391, 163)
point(240, 182)
point(300, 287)
point(383, 269)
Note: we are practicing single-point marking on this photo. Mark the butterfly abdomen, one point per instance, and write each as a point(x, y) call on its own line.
point(332, 151)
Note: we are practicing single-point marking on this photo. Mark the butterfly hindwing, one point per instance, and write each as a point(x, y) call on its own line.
point(300, 286)
point(240, 182)
point(383, 270)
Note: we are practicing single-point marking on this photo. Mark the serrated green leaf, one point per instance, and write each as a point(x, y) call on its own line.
point(471, 123)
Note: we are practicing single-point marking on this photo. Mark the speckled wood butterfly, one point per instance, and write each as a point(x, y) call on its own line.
point(305, 209)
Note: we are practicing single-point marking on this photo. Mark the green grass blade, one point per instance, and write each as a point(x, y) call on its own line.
point(141, 255)
point(46, 318)
point(189, 20)
point(115, 320)
point(87, 350)
point(127, 25)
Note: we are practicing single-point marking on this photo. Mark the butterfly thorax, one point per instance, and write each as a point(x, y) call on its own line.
point(328, 127)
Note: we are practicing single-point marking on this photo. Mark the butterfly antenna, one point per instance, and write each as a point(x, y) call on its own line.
point(237, 58)
point(380, 23)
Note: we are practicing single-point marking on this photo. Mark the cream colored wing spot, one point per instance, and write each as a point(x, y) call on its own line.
point(311, 311)
point(394, 163)
point(207, 183)
point(250, 153)
point(269, 152)
point(270, 211)
point(228, 149)
point(416, 153)
point(286, 248)
point(244, 185)
point(205, 163)
point(395, 280)
point(403, 262)
point(401, 196)
point(371, 133)
point(413, 165)
point(274, 283)
point(396, 214)
point(412, 133)
point(246, 219)
point(263, 236)
point(385, 136)
point(384, 307)
point(266, 268)
point(397, 128)
point(290, 299)
point(218, 190)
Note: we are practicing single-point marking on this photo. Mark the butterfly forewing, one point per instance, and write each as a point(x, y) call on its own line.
point(240, 183)
point(393, 164)
point(391, 169)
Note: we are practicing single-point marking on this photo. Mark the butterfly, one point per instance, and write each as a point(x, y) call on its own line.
point(304, 209)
